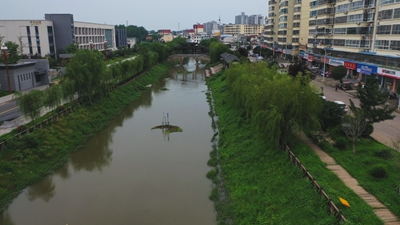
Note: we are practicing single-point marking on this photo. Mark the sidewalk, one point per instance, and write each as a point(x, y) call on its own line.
point(8, 126)
point(379, 209)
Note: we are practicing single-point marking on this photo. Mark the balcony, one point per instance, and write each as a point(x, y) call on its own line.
point(271, 2)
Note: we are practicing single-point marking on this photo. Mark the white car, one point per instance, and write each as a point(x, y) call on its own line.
point(343, 105)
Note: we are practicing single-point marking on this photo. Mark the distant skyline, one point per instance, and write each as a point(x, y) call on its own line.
point(152, 15)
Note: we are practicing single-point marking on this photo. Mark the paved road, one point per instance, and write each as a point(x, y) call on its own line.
point(9, 110)
point(385, 132)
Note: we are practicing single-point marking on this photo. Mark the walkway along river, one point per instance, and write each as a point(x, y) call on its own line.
point(130, 174)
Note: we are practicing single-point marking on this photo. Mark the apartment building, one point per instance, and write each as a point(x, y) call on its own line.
point(244, 29)
point(362, 35)
point(255, 19)
point(241, 19)
point(102, 36)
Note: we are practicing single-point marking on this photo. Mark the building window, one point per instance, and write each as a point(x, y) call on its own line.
point(359, 30)
point(313, 4)
point(340, 30)
point(342, 8)
point(356, 5)
point(341, 19)
point(339, 42)
point(281, 39)
point(295, 40)
point(352, 43)
point(312, 31)
point(271, 8)
point(296, 17)
point(283, 18)
point(355, 18)
point(395, 45)
point(284, 11)
point(382, 44)
point(297, 9)
point(385, 14)
point(396, 29)
point(384, 29)
point(296, 24)
point(296, 32)
point(28, 31)
point(396, 13)
point(36, 30)
point(282, 25)
point(282, 32)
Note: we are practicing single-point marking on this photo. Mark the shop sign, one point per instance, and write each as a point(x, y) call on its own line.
point(283, 51)
point(317, 58)
point(350, 65)
point(366, 69)
point(305, 56)
point(335, 62)
point(310, 58)
point(324, 60)
point(389, 72)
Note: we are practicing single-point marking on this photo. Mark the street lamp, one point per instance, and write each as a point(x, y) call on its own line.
point(91, 44)
point(105, 50)
point(323, 75)
point(5, 54)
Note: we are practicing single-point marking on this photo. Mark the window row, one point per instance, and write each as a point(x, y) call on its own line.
point(350, 6)
point(26, 76)
point(389, 14)
point(353, 30)
point(385, 2)
point(388, 29)
point(386, 44)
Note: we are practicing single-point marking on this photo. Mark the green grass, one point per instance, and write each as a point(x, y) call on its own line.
point(259, 185)
point(5, 93)
point(41, 152)
point(359, 212)
point(369, 154)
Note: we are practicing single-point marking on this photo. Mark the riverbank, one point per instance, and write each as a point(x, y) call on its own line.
point(260, 185)
point(41, 152)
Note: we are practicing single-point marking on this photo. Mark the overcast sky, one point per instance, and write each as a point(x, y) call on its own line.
point(152, 15)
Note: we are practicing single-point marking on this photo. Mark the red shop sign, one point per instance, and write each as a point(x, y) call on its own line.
point(350, 65)
point(324, 60)
point(310, 58)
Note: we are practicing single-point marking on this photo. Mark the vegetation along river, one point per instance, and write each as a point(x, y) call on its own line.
point(129, 173)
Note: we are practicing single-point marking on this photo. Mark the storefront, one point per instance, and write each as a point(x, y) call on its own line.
point(335, 62)
point(317, 61)
point(390, 78)
point(351, 69)
point(365, 70)
point(325, 60)
point(305, 59)
point(310, 60)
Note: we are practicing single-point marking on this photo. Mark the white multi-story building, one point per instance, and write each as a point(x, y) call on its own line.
point(35, 36)
point(55, 32)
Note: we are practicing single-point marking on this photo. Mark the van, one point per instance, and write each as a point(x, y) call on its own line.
point(343, 105)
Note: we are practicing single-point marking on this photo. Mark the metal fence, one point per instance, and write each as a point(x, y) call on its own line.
point(333, 209)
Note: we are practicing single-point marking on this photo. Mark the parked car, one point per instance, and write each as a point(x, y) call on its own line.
point(343, 105)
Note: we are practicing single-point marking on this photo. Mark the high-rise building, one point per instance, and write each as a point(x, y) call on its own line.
point(241, 19)
point(210, 26)
point(244, 29)
point(255, 19)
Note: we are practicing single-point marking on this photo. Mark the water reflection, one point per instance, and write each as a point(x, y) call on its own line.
point(5, 219)
point(44, 189)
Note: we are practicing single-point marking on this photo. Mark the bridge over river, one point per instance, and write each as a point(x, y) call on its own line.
point(189, 50)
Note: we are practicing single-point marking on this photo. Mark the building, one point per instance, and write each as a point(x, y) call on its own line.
point(131, 41)
point(198, 28)
point(101, 35)
point(25, 75)
point(244, 29)
point(255, 19)
point(164, 32)
point(210, 26)
point(121, 38)
point(36, 37)
point(241, 19)
point(57, 31)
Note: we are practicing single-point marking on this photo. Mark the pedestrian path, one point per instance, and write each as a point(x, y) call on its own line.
point(379, 209)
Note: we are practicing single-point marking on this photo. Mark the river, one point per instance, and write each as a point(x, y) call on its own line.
point(129, 173)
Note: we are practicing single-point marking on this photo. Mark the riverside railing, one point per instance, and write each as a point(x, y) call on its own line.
point(333, 209)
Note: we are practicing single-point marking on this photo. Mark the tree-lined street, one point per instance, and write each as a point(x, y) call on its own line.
point(385, 132)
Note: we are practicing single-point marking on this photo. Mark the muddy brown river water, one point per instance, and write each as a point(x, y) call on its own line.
point(130, 174)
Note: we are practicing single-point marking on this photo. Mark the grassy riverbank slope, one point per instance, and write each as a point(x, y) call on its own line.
point(41, 152)
point(258, 183)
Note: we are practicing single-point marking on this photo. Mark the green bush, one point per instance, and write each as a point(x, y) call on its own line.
point(384, 154)
point(21, 128)
point(368, 130)
point(341, 143)
point(378, 171)
point(60, 108)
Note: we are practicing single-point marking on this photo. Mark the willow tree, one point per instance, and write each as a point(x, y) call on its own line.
point(30, 103)
point(88, 71)
point(52, 97)
point(278, 104)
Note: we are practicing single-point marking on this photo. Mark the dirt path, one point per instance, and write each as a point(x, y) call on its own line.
point(379, 209)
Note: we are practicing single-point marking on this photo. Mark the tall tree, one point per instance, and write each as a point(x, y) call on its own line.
point(338, 73)
point(354, 124)
point(30, 103)
point(216, 49)
point(372, 101)
point(72, 48)
point(88, 71)
point(13, 54)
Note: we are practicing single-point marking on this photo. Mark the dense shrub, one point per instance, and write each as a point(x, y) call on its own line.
point(21, 128)
point(368, 130)
point(378, 171)
point(384, 154)
point(341, 143)
point(60, 108)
